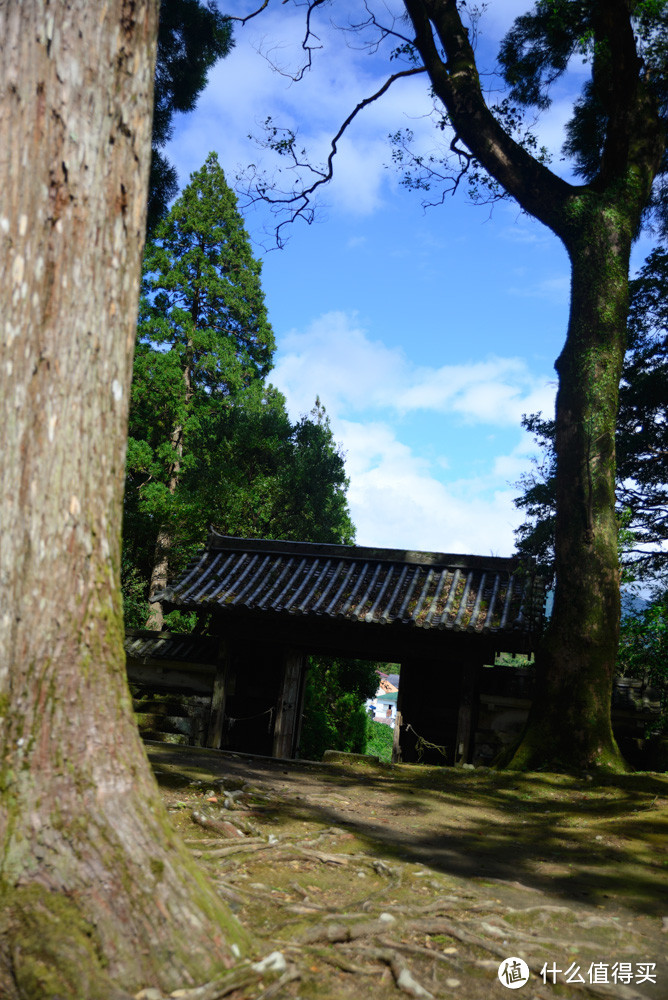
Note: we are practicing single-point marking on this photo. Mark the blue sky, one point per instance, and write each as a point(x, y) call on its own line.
point(426, 334)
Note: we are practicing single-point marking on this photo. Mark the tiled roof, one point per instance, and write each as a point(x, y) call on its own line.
point(427, 590)
point(143, 645)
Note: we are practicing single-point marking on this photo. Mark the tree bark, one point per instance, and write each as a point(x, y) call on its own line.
point(164, 541)
point(569, 725)
point(97, 894)
point(159, 577)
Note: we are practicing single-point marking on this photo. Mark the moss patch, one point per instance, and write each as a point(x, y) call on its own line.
point(462, 864)
point(54, 953)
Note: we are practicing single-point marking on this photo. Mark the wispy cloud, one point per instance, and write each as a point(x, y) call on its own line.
point(397, 496)
point(397, 499)
point(353, 373)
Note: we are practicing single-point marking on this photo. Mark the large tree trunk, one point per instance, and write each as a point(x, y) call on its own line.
point(95, 888)
point(159, 578)
point(569, 725)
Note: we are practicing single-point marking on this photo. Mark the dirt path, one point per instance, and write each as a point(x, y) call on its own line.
point(384, 882)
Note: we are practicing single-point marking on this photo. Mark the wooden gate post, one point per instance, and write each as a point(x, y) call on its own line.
point(467, 718)
point(396, 738)
point(218, 699)
point(289, 705)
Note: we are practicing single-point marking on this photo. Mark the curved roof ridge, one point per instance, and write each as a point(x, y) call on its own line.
point(279, 546)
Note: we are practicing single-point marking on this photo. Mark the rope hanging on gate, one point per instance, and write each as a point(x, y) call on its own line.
point(422, 744)
point(249, 718)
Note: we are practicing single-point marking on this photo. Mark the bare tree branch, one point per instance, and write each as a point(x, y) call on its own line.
point(249, 17)
point(283, 141)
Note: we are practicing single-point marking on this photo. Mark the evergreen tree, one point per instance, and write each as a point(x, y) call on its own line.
point(334, 714)
point(261, 476)
point(210, 442)
point(642, 426)
point(534, 539)
point(203, 338)
point(192, 36)
point(251, 473)
point(643, 651)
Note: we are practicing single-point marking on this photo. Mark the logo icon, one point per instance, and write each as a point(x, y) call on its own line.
point(514, 973)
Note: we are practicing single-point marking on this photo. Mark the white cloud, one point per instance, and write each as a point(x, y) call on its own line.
point(511, 466)
point(397, 502)
point(397, 497)
point(336, 359)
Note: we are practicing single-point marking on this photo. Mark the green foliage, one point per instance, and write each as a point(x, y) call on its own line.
point(641, 443)
point(210, 441)
point(269, 478)
point(643, 649)
point(538, 48)
point(519, 660)
point(192, 36)
point(135, 603)
point(203, 337)
point(642, 427)
point(541, 44)
point(535, 536)
point(379, 740)
point(202, 314)
point(334, 714)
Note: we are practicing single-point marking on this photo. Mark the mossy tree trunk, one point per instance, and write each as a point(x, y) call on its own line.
point(569, 726)
point(96, 894)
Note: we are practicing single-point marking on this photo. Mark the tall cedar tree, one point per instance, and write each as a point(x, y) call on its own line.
point(203, 338)
point(192, 36)
point(617, 140)
point(98, 897)
point(252, 472)
point(261, 476)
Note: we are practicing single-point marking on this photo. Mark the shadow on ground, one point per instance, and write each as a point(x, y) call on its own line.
point(600, 842)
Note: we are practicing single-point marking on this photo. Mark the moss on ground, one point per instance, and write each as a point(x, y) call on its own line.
point(467, 864)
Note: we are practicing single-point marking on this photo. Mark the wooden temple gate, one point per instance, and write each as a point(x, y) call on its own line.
point(268, 604)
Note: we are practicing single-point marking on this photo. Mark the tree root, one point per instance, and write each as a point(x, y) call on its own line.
point(403, 977)
point(234, 848)
point(340, 962)
point(239, 978)
point(288, 977)
point(415, 949)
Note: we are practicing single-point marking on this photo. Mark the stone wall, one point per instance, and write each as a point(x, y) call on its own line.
point(505, 698)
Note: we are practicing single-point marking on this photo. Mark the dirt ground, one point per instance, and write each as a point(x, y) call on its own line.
point(385, 881)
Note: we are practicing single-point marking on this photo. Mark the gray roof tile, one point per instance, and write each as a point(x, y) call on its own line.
point(427, 590)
